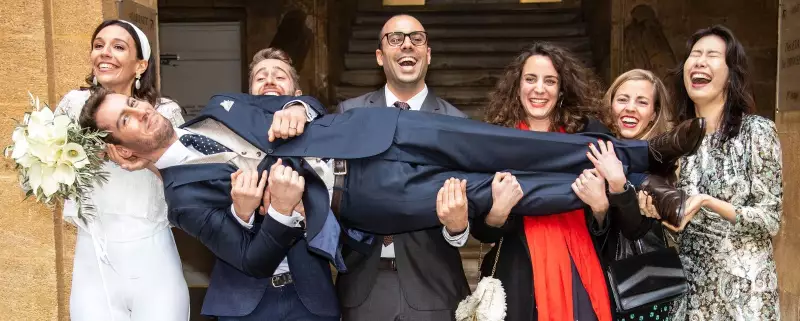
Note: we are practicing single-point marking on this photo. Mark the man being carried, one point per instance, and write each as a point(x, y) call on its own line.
point(406, 156)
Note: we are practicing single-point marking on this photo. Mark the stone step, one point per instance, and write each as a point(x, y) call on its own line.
point(458, 96)
point(477, 32)
point(490, 45)
point(442, 77)
point(430, 19)
point(452, 61)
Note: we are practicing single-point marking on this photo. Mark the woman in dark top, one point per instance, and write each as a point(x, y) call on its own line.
point(547, 89)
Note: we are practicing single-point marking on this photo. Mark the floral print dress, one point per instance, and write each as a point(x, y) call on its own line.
point(730, 266)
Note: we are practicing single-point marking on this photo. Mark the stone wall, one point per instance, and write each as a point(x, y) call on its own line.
point(787, 117)
point(659, 29)
point(597, 14)
point(45, 46)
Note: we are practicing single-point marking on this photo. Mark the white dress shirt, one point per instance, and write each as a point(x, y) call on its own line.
point(415, 103)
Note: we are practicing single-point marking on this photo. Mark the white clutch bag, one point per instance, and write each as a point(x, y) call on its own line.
point(488, 302)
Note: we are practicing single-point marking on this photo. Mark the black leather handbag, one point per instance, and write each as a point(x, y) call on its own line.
point(646, 272)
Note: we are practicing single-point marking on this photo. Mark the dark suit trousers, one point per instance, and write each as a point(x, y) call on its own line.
point(387, 301)
point(401, 184)
point(474, 146)
point(405, 194)
point(280, 304)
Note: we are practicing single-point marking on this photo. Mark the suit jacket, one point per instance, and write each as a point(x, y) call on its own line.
point(423, 145)
point(429, 267)
point(198, 197)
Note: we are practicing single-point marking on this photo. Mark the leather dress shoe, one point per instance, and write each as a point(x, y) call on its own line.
point(668, 200)
point(667, 148)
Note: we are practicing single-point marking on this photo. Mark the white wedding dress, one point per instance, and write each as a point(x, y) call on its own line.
point(126, 265)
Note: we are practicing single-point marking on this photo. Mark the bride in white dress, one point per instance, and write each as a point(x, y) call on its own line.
point(126, 265)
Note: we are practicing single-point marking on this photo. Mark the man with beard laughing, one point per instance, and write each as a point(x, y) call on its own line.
point(304, 288)
point(415, 275)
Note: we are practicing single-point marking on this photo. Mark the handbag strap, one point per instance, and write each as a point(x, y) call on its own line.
point(496, 258)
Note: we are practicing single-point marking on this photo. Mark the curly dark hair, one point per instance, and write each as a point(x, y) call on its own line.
point(738, 92)
point(148, 91)
point(578, 85)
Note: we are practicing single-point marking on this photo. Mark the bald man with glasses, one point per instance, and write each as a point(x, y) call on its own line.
point(417, 275)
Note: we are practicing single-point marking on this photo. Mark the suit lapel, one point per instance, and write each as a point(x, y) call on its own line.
point(377, 98)
point(431, 104)
point(238, 115)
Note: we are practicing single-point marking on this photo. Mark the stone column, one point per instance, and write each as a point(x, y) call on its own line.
point(45, 45)
point(787, 118)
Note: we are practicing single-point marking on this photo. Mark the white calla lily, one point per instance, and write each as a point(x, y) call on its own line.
point(42, 116)
point(20, 143)
point(74, 154)
point(64, 174)
point(49, 183)
point(46, 153)
point(35, 177)
point(26, 161)
point(59, 130)
point(38, 127)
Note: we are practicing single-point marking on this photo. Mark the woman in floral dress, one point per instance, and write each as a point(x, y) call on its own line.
point(735, 184)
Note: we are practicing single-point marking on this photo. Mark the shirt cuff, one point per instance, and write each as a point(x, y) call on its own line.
point(457, 240)
point(249, 224)
point(291, 221)
point(310, 112)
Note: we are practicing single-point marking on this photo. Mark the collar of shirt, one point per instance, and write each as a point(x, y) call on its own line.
point(415, 102)
point(176, 154)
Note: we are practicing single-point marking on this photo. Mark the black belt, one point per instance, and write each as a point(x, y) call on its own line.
point(339, 172)
point(281, 280)
point(387, 264)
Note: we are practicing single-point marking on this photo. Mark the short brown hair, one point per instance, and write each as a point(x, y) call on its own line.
point(274, 53)
point(89, 112)
point(661, 103)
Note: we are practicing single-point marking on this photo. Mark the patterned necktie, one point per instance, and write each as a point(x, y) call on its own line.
point(203, 144)
point(401, 105)
point(387, 240)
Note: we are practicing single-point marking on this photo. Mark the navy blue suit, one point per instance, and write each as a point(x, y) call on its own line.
point(199, 203)
point(397, 162)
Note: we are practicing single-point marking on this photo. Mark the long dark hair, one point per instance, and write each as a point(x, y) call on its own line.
point(738, 91)
point(578, 85)
point(148, 90)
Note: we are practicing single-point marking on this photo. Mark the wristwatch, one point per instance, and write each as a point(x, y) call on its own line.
point(626, 186)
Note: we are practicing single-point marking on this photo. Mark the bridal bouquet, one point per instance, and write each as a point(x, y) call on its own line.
point(56, 158)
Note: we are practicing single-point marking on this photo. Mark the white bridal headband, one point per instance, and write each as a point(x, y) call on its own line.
point(143, 41)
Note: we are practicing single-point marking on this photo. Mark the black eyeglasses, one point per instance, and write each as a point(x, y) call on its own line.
point(396, 39)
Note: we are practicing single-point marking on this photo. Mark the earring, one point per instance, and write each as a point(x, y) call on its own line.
point(94, 80)
point(138, 84)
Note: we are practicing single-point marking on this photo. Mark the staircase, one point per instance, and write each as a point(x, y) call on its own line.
point(470, 46)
